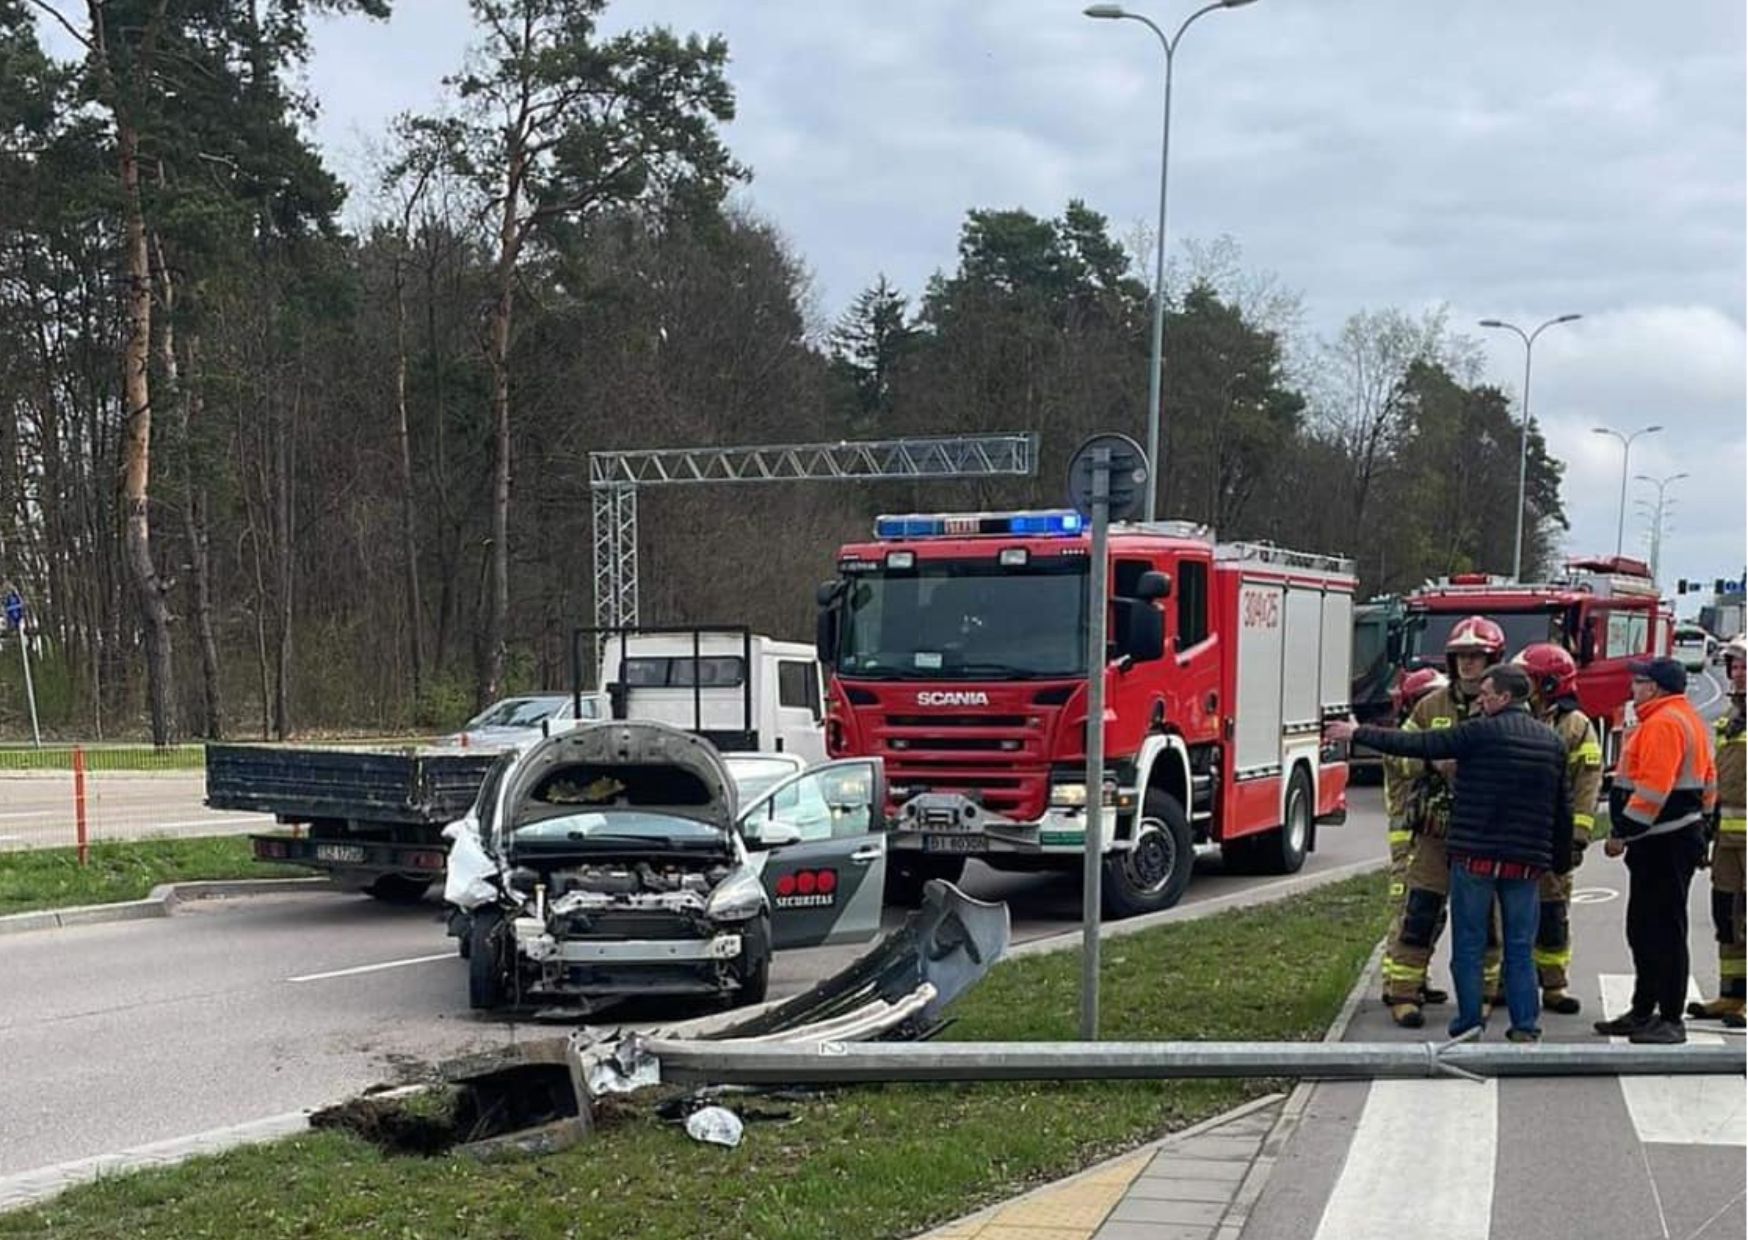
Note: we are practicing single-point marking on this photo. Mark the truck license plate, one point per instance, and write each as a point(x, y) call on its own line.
point(953, 843)
point(339, 852)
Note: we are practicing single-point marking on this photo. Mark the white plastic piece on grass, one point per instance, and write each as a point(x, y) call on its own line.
point(714, 1125)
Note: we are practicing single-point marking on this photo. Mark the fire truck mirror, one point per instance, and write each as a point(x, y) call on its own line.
point(1152, 586)
point(825, 635)
point(1140, 630)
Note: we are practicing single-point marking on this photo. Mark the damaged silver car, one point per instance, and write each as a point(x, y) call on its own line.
point(613, 861)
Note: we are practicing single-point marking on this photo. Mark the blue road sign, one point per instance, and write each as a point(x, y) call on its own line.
point(14, 609)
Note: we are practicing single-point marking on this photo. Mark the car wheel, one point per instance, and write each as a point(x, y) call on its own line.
point(1152, 873)
point(755, 963)
point(487, 985)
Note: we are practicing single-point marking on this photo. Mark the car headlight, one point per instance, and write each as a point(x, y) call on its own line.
point(1068, 796)
point(740, 897)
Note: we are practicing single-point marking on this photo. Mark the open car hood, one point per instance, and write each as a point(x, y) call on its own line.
point(604, 767)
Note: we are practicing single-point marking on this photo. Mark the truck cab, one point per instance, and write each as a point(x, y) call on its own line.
point(737, 689)
point(1605, 611)
point(956, 646)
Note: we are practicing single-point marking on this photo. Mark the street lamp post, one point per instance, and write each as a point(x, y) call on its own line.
point(1657, 517)
point(1529, 342)
point(1626, 455)
point(1155, 413)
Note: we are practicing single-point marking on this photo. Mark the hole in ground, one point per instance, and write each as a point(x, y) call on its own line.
point(493, 1104)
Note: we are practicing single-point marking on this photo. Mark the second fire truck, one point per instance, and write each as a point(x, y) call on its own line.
point(956, 647)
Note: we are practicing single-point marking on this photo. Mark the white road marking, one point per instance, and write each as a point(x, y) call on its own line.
point(372, 968)
point(1717, 690)
point(1595, 895)
point(1452, 1127)
point(1679, 1110)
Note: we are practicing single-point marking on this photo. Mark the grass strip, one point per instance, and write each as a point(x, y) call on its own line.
point(868, 1162)
point(42, 878)
point(104, 758)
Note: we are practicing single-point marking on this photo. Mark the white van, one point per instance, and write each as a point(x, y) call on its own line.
point(1691, 646)
point(739, 690)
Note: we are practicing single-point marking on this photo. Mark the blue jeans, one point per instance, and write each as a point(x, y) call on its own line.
point(1472, 897)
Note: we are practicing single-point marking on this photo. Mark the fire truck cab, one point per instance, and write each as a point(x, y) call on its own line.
point(1604, 611)
point(956, 649)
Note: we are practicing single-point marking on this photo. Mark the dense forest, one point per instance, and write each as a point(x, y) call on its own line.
point(263, 475)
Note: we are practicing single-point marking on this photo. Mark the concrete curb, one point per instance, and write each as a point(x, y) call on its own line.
point(1270, 893)
point(161, 903)
point(1293, 1110)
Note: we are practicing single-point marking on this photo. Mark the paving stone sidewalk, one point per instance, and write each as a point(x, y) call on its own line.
point(1195, 1185)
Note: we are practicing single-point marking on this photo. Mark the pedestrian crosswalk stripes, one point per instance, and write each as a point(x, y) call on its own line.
point(1679, 1110)
point(1445, 1189)
point(1447, 1186)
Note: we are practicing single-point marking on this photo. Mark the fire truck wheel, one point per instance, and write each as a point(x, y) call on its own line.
point(1153, 873)
point(1281, 851)
point(905, 878)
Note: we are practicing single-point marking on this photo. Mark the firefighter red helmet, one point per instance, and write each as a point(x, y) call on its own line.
point(1476, 635)
point(1551, 669)
point(1416, 685)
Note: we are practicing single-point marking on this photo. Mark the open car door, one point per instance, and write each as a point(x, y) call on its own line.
point(825, 853)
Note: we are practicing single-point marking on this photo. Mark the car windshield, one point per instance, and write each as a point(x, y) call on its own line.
point(966, 618)
point(1522, 628)
point(753, 777)
point(617, 827)
point(518, 713)
point(1689, 637)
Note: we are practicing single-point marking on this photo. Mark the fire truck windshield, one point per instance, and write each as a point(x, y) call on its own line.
point(1522, 628)
point(966, 619)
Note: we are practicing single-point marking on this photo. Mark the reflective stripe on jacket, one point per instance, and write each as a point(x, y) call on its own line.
point(1732, 760)
point(1666, 779)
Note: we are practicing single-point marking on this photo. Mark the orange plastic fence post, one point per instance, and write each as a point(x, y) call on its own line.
point(79, 803)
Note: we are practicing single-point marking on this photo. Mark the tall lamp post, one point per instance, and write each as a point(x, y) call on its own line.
point(1529, 342)
point(1626, 455)
point(1657, 517)
point(1155, 413)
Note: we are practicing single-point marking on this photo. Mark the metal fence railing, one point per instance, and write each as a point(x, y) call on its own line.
point(75, 795)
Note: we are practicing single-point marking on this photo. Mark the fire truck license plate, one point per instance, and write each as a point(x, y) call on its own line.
point(953, 843)
point(339, 852)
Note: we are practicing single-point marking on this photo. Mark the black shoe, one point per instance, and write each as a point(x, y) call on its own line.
point(1660, 1033)
point(1624, 1026)
point(1431, 994)
point(1562, 1002)
point(1523, 1035)
point(1407, 1015)
point(1735, 1020)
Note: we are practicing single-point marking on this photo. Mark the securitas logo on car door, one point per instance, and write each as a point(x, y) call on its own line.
point(807, 889)
point(952, 697)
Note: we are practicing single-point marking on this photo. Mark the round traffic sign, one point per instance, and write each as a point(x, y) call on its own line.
point(1128, 472)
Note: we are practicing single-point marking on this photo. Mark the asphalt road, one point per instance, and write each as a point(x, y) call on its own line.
point(1645, 1158)
point(120, 1035)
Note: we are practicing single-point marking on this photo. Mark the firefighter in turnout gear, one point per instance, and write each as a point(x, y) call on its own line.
point(1403, 794)
point(1729, 851)
point(1553, 677)
point(1474, 645)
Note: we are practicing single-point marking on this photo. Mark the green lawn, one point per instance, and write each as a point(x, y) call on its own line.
point(867, 1162)
point(103, 758)
point(53, 878)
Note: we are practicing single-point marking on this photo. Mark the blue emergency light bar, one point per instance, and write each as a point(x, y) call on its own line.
point(1051, 523)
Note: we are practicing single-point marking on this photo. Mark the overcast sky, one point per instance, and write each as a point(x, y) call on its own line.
point(1517, 160)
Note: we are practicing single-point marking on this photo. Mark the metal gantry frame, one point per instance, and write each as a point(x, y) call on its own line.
point(616, 477)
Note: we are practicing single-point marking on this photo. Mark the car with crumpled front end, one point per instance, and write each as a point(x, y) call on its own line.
point(615, 861)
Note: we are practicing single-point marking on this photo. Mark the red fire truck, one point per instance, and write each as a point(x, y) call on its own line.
point(1604, 611)
point(956, 648)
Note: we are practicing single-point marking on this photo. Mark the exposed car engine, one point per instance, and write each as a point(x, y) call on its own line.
point(642, 886)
